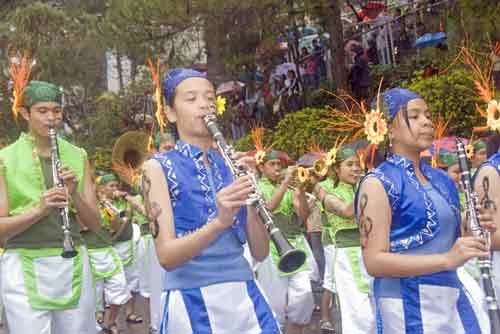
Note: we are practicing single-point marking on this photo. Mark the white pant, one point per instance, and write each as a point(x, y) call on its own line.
point(125, 250)
point(113, 287)
point(356, 306)
point(23, 319)
point(329, 279)
point(152, 280)
point(290, 297)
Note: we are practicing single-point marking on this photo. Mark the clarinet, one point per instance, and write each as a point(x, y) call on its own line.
point(485, 265)
point(291, 258)
point(69, 250)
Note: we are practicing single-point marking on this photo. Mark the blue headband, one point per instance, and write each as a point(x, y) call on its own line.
point(393, 100)
point(174, 78)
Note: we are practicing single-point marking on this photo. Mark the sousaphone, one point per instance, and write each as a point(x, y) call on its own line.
point(129, 153)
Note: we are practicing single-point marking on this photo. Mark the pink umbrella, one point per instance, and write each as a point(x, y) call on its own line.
point(229, 87)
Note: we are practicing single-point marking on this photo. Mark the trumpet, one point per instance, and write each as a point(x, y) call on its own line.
point(291, 258)
point(69, 250)
point(112, 211)
point(303, 175)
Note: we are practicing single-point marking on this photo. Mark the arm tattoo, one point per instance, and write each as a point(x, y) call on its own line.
point(365, 222)
point(487, 202)
point(153, 210)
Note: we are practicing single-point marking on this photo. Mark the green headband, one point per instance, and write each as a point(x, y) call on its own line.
point(271, 155)
point(41, 91)
point(345, 153)
point(447, 159)
point(106, 179)
point(479, 145)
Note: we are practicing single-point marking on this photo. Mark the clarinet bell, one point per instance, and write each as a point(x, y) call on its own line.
point(291, 258)
point(69, 253)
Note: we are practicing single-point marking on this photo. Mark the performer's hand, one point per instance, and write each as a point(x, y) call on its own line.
point(54, 198)
point(246, 160)
point(119, 194)
point(231, 198)
point(464, 249)
point(289, 175)
point(486, 219)
point(70, 180)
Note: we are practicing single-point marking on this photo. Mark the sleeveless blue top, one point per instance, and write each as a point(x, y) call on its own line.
point(425, 220)
point(414, 216)
point(192, 188)
point(443, 242)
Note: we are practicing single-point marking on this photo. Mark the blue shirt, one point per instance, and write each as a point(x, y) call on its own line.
point(443, 242)
point(414, 216)
point(192, 188)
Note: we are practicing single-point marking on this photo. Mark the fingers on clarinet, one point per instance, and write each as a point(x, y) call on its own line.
point(244, 179)
point(489, 225)
point(481, 255)
point(479, 243)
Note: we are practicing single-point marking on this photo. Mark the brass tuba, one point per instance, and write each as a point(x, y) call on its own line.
point(129, 154)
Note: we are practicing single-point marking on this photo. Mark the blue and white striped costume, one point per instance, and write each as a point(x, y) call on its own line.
point(425, 220)
point(215, 291)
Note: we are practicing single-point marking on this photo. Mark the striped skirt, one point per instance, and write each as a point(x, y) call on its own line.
point(224, 308)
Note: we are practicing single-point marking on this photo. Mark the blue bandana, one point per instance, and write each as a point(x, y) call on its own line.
point(174, 78)
point(393, 100)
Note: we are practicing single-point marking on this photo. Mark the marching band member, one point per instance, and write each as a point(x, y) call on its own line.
point(42, 291)
point(345, 273)
point(479, 156)
point(290, 294)
point(107, 268)
point(199, 215)
point(123, 237)
point(409, 219)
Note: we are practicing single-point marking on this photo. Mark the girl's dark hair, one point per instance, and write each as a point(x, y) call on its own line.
point(172, 128)
point(492, 144)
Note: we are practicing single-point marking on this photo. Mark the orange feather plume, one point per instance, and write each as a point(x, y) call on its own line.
point(155, 74)
point(357, 120)
point(20, 71)
point(440, 126)
point(484, 88)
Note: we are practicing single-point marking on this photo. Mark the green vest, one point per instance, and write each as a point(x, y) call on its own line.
point(141, 219)
point(101, 239)
point(284, 215)
point(127, 233)
point(27, 176)
point(340, 231)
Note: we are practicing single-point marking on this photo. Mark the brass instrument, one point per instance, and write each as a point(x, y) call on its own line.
point(114, 213)
point(129, 154)
point(302, 175)
point(69, 250)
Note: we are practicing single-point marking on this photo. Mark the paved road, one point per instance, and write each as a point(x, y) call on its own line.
point(126, 328)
